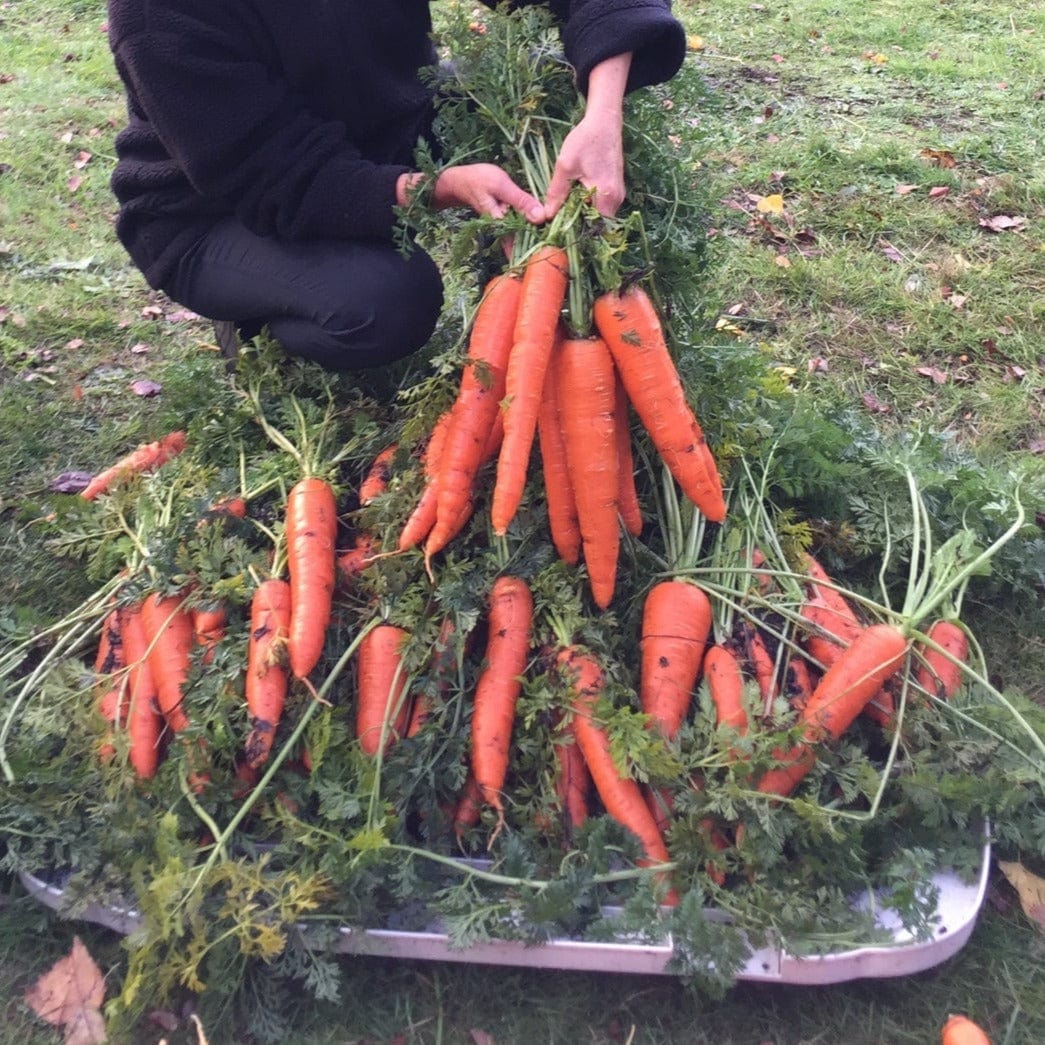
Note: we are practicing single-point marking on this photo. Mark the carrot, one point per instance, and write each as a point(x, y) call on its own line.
point(726, 688)
point(111, 687)
point(676, 620)
point(620, 794)
point(144, 722)
point(509, 616)
point(208, 626)
point(627, 495)
point(763, 665)
point(469, 807)
point(586, 410)
point(381, 708)
point(145, 458)
point(541, 297)
point(311, 528)
point(169, 634)
point(423, 517)
point(441, 663)
point(631, 328)
point(846, 687)
point(960, 1030)
point(938, 673)
point(109, 657)
point(375, 482)
point(572, 782)
point(352, 561)
point(799, 681)
point(477, 406)
point(265, 687)
point(558, 489)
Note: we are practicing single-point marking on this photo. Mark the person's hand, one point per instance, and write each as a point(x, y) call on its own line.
point(593, 155)
point(484, 187)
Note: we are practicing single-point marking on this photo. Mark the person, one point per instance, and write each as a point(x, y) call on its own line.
point(269, 142)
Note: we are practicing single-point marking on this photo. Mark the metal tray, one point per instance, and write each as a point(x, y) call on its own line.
point(958, 906)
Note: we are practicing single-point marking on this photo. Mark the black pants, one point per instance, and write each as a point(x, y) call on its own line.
point(343, 304)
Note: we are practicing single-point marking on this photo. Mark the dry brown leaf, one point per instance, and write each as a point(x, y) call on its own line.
point(904, 189)
point(782, 261)
point(939, 191)
point(1003, 223)
point(937, 376)
point(1030, 889)
point(874, 404)
point(772, 204)
point(70, 995)
point(939, 158)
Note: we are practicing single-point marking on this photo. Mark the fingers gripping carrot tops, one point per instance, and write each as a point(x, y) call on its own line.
point(631, 328)
point(265, 689)
point(311, 529)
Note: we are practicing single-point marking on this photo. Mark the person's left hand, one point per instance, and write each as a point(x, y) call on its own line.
point(593, 155)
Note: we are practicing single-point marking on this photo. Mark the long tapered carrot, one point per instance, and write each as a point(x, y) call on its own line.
point(726, 688)
point(940, 673)
point(558, 488)
point(509, 617)
point(631, 328)
point(110, 689)
point(627, 495)
point(478, 404)
point(144, 721)
point(382, 714)
point(572, 782)
point(855, 677)
point(543, 292)
point(145, 458)
point(311, 530)
point(265, 687)
point(170, 636)
point(619, 793)
point(587, 387)
point(676, 620)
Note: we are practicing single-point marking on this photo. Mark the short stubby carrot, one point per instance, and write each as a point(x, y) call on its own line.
point(375, 482)
point(843, 692)
point(509, 620)
point(940, 673)
point(145, 458)
point(587, 387)
point(543, 291)
point(960, 1030)
point(676, 621)
point(382, 714)
point(144, 721)
point(170, 637)
point(208, 625)
point(311, 530)
point(265, 687)
point(619, 793)
point(631, 328)
point(558, 488)
point(725, 678)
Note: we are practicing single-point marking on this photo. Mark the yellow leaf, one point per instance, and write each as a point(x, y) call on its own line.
point(694, 43)
point(729, 328)
point(771, 204)
point(70, 995)
point(782, 261)
point(1030, 889)
point(877, 58)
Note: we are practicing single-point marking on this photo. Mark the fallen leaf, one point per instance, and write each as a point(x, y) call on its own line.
point(937, 376)
point(777, 57)
point(904, 189)
point(939, 158)
point(70, 995)
point(1003, 223)
point(876, 57)
point(76, 342)
point(694, 43)
point(958, 300)
point(74, 183)
point(151, 312)
point(140, 347)
point(182, 315)
point(874, 404)
point(69, 482)
point(1017, 373)
point(1030, 889)
point(890, 251)
point(82, 159)
point(817, 365)
point(782, 261)
point(939, 191)
point(146, 389)
point(772, 204)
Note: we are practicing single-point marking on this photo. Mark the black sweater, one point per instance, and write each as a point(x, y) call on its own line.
point(298, 116)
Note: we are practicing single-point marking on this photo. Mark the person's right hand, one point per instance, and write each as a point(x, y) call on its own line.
point(484, 187)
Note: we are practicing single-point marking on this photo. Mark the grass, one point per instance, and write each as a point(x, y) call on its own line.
point(899, 302)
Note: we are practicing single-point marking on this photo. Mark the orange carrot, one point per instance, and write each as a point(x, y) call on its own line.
point(558, 489)
point(265, 687)
point(352, 561)
point(938, 674)
point(208, 626)
point(375, 482)
point(586, 410)
point(541, 297)
point(960, 1030)
point(144, 721)
point(572, 782)
point(627, 495)
point(619, 793)
point(509, 616)
point(799, 681)
point(726, 688)
point(477, 407)
point(170, 637)
point(423, 517)
point(111, 687)
point(311, 528)
point(676, 620)
point(441, 663)
point(468, 809)
point(763, 665)
point(631, 328)
point(146, 458)
point(854, 678)
point(382, 713)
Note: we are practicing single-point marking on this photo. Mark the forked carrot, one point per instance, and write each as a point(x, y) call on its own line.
point(422, 519)
point(311, 529)
point(543, 292)
point(382, 714)
point(631, 328)
point(144, 721)
point(265, 687)
point(509, 617)
point(170, 637)
point(586, 409)
point(145, 458)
